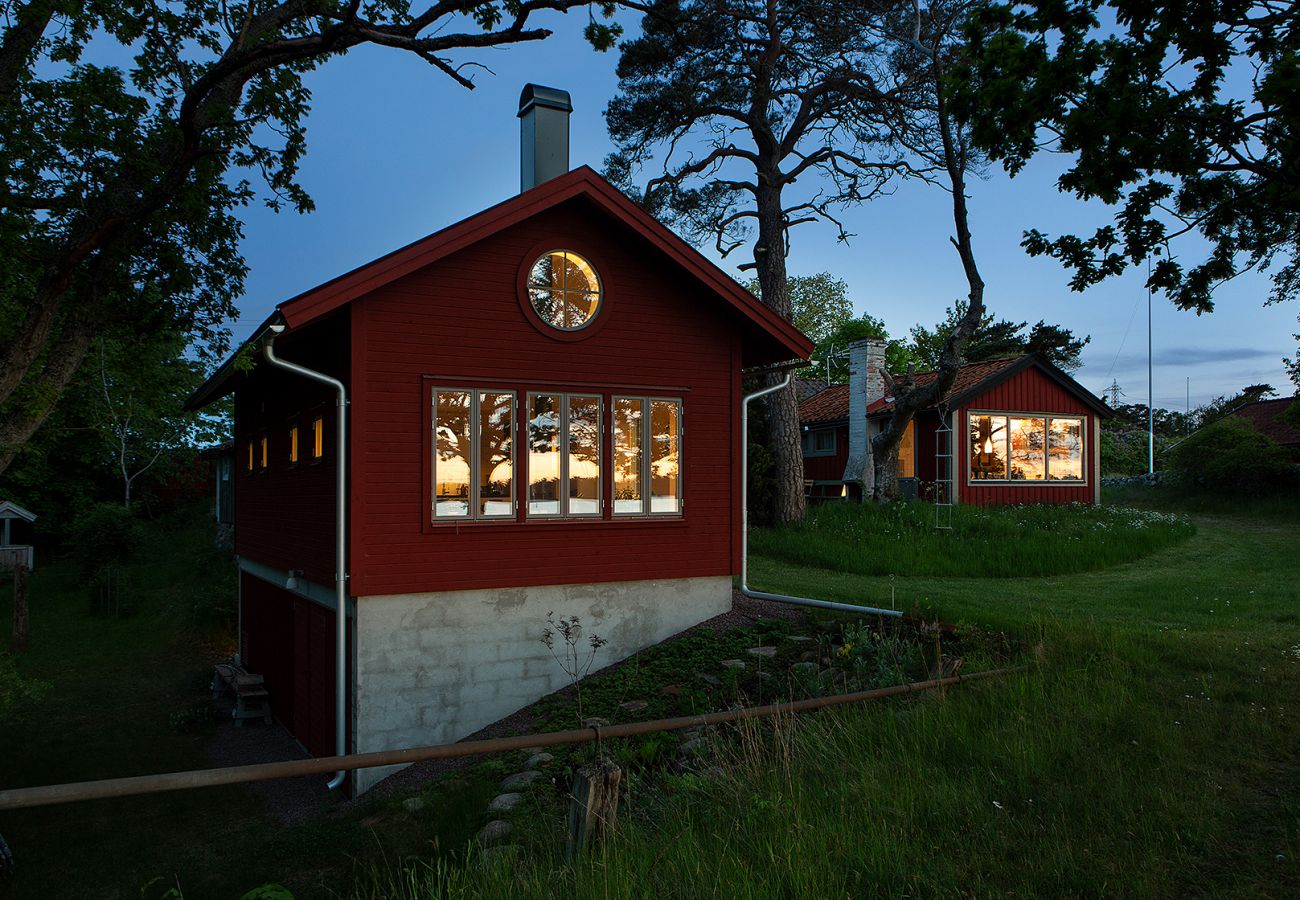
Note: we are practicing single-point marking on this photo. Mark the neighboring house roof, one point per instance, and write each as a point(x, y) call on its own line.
point(831, 405)
point(1265, 416)
point(582, 181)
point(973, 379)
point(806, 388)
point(11, 510)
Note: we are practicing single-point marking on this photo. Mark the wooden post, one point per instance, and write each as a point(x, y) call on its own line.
point(20, 638)
point(593, 805)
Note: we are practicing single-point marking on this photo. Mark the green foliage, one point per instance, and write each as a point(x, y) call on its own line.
point(1291, 415)
point(834, 348)
point(985, 542)
point(1181, 116)
point(819, 304)
point(106, 534)
point(999, 338)
point(16, 692)
point(1231, 456)
point(1125, 453)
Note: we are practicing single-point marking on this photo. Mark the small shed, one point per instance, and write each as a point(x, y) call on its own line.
point(16, 536)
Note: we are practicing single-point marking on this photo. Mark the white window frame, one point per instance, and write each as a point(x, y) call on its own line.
point(563, 437)
point(646, 512)
point(1081, 418)
point(475, 436)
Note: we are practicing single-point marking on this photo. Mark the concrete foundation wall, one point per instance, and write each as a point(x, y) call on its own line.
point(432, 668)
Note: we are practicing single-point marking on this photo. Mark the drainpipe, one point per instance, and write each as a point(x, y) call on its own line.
point(340, 547)
point(744, 524)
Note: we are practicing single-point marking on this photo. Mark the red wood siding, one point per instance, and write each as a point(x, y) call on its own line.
point(459, 322)
point(284, 517)
point(1029, 391)
point(289, 641)
point(829, 468)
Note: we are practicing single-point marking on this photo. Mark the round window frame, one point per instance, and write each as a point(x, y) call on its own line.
point(595, 324)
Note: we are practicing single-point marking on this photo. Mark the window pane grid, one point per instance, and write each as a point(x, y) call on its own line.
point(564, 290)
point(1013, 447)
point(647, 437)
point(473, 453)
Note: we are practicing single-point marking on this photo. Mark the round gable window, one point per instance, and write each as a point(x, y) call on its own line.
point(564, 290)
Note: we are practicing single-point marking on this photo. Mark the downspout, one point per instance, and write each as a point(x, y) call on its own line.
point(340, 547)
point(744, 524)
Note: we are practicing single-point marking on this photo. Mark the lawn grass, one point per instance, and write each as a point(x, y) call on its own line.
point(1153, 752)
point(1158, 740)
point(983, 542)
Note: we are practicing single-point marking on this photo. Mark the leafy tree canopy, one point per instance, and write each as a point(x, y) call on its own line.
point(819, 304)
point(133, 134)
point(1184, 116)
point(999, 338)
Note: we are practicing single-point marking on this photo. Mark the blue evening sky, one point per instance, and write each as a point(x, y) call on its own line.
point(397, 151)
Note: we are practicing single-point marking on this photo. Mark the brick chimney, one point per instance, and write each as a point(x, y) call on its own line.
point(543, 134)
point(866, 386)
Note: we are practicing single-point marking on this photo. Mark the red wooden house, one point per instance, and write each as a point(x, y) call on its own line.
point(520, 387)
point(1022, 431)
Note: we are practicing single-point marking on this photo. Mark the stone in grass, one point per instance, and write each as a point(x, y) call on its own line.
point(494, 831)
point(537, 760)
point(596, 722)
point(413, 805)
point(505, 802)
point(671, 690)
point(693, 747)
point(733, 663)
point(633, 706)
point(799, 638)
point(710, 680)
point(804, 668)
point(767, 652)
point(519, 780)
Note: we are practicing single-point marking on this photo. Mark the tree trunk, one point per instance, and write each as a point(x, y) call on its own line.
point(789, 502)
point(18, 425)
point(21, 636)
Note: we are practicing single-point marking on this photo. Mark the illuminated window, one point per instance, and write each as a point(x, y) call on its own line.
point(263, 453)
point(473, 456)
point(293, 445)
point(250, 456)
point(647, 441)
point(564, 290)
point(318, 438)
point(1010, 447)
point(564, 438)
point(907, 452)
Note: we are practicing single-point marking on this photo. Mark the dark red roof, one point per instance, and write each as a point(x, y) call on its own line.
point(785, 339)
point(1265, 416)
point(832, 404)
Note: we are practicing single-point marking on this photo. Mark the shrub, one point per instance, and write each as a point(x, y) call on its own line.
point(16, 692)
point(104, 535)
point(1230, 456)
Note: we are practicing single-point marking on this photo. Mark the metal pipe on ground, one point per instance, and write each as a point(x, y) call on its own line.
point(340, 544)
point(23, 798)
point(744, 520)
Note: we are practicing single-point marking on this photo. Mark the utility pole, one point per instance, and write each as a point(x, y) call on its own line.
point(1151, 421)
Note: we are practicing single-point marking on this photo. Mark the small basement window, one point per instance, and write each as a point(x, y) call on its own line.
point(264, 457)
point(564, 290)
point(293, 445)
point(473, 456)
point(317, 438)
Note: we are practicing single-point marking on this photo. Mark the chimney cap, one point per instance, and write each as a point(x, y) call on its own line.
point(545, 97)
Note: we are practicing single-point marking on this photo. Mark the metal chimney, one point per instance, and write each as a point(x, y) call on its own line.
point(543, 134)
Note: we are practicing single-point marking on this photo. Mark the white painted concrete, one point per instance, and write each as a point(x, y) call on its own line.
point(432, 668)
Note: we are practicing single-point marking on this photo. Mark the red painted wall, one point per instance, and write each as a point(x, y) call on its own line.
point(284, 517)
point(829, 468)
point(459, 322)
point(1028, 391)
point(289, 641)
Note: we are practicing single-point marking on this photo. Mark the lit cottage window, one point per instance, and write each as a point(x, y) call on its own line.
point(647, 441)
point(1007, 447)
point(473, 459)
point(564, 290)
point(564, 439)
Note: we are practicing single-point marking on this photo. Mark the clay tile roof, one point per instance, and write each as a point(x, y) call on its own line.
point(833, 403)
point(826, 406)
point(1265, 416)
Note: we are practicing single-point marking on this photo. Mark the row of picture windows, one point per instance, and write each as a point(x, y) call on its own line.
point(474, 456)
point(259, 450)
point(1025, 448)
